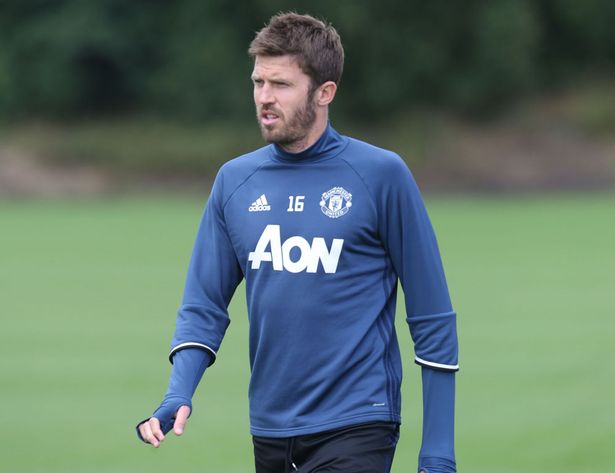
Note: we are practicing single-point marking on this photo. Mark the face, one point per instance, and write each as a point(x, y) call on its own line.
point(285, 108)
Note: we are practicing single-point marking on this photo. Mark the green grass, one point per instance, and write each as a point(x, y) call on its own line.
point(89, 290)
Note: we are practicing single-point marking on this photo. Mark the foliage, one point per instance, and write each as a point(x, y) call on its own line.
point(64, 58)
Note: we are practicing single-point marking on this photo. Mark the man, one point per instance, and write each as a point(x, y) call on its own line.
point(321, 226)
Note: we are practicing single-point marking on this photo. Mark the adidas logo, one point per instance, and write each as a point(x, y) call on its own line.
point(260, 205)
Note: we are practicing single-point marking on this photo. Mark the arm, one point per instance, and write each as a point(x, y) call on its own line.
point(202, 319)
point(438, 450)
point(411, 244)
point(213, 275)
point(188, 368)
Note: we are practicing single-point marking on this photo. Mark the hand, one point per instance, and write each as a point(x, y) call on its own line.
point(151, 431)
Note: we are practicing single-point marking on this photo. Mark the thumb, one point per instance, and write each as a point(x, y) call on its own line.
point(180, 420)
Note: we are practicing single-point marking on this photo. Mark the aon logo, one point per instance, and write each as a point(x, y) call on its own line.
point(270, 248)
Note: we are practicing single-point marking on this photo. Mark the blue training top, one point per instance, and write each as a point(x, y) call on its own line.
point(321, 237)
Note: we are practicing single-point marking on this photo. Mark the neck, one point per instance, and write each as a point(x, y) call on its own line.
point(310, 138)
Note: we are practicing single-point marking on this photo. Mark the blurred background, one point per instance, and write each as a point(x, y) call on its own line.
point(114, 118)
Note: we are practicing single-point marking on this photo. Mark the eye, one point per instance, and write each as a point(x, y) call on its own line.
point(258, 82)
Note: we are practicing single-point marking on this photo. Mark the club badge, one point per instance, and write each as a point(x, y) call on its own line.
point(336, 202)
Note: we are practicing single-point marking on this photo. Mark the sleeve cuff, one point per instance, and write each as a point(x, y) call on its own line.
point(201, 346)
point(437, 465)
point(436, 366)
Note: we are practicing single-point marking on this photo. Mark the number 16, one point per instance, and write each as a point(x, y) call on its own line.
point(295, 203)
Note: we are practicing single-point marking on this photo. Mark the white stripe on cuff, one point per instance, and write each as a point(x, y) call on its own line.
point(191, 344)
point(436, 365)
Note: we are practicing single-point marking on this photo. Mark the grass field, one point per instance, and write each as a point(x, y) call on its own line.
point(89, 290)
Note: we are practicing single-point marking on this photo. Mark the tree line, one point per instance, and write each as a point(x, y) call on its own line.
point(186, 59)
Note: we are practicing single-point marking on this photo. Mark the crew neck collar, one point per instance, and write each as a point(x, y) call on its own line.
point(327, 146)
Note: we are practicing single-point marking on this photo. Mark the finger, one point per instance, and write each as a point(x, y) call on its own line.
point(156, 430)
point(180, 420)
point(148, 436)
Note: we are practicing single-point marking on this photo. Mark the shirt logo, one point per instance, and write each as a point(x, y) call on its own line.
point(305, 256)
point(260, 205)
point(336, 202)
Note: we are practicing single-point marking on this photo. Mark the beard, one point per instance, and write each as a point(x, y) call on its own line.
point(290, 129)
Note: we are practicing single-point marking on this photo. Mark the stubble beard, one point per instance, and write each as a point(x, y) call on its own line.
point(293, 130)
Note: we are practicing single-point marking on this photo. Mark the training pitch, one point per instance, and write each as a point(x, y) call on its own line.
point(89, 291)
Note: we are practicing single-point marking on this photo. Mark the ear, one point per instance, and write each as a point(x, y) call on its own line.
point(326, 93)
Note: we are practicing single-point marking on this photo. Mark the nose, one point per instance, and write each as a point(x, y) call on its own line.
point(263, 95)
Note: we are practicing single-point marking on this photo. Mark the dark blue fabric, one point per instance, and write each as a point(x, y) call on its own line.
point(188, 368)
point(168, 409)
point(321, 283)
point(439, 465)
point(438, 448)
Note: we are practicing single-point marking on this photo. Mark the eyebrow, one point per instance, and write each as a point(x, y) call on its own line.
point(275, 80)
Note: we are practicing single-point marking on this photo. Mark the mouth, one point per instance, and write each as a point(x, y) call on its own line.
point(269, 118)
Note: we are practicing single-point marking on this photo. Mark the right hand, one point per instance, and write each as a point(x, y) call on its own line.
point(151, 431)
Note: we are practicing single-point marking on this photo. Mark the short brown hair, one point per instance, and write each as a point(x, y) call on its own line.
point(315, 44)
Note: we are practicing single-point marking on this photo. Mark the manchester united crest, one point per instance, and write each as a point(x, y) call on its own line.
point(336, 202)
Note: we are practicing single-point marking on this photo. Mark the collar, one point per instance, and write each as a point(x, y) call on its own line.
point(329, 145)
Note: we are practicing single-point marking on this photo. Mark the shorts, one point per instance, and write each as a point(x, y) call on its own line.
point(364, 448)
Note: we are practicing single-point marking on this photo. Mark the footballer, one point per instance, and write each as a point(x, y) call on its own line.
point(322, 227)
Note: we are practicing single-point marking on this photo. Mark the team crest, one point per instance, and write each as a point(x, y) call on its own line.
point(336, 202)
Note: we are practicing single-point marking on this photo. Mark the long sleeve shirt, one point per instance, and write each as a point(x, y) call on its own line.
point(322, 238)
